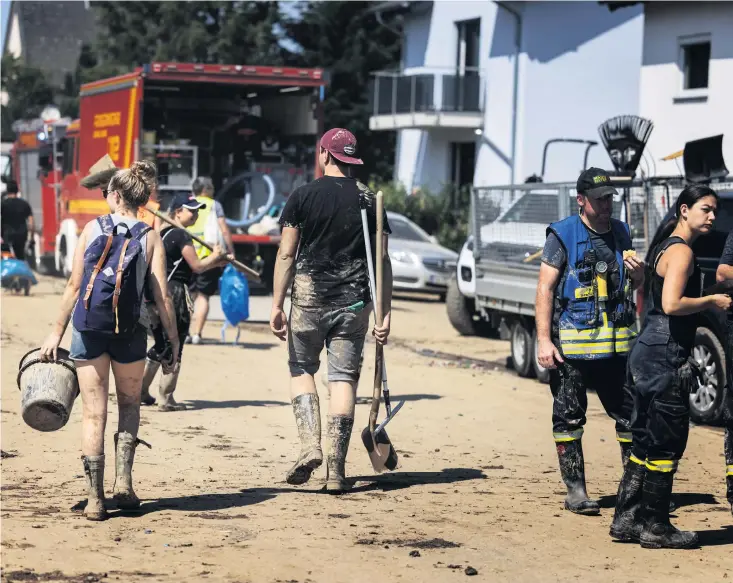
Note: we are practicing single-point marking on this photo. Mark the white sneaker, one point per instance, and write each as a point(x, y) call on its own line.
point(195, 339)
point(187, 340)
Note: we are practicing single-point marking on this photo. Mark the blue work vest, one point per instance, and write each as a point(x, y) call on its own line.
point(587, 332)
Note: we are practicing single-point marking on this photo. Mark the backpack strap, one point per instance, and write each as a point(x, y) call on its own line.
point(118, 283)
point(106, 224)
point(139, 230)
point(97, 269)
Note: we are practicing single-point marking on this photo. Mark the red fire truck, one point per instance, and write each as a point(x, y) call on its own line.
point(253, 130)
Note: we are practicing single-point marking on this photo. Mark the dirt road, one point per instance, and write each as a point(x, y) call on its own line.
point(478, 486)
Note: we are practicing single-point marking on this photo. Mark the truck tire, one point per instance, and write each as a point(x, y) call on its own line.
point(460, 310)
point(542, 374)
point(522, 345)
point(706, 403)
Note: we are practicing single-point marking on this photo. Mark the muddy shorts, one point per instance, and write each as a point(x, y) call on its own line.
point(341, 330)
point(91, 345)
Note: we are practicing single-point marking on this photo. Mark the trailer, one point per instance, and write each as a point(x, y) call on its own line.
point(253, 130)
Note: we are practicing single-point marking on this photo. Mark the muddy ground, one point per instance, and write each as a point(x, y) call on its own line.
point(478, 490)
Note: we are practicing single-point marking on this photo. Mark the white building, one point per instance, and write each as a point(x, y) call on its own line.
point(687, 77)
point(484, 85)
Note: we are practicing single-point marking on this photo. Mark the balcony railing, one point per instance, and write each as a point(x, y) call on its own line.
point(422, 90)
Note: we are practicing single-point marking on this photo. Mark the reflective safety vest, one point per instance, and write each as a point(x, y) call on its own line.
point(206, 227)
point(588, 331)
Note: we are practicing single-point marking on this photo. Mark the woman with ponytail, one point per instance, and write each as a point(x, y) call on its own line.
point(103, 336)
point(661, 372)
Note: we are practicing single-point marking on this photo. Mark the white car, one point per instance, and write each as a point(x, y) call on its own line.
point(419, 263)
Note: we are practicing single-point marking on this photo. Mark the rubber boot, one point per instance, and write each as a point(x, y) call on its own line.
point(307, 412)
point(168, 383)
point(94, 471)
point(627, 525)
point(122, 492)
point(151, 369)
point(339, 435)
point(572, 468)
point(658, 532)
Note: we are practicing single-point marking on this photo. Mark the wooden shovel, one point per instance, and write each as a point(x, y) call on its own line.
point(381, 452)
point(248, 271)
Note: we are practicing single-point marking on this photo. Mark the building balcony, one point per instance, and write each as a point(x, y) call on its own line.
point(424, 98)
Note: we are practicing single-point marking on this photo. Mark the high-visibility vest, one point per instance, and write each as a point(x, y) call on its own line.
point(206, 227)
point(581, 336)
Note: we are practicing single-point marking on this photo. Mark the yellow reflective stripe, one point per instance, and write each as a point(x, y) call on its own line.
point(625, 333)
point(623, 346)
point(636, 460)
point(661, 465)
point(590, 334)
point(729, 470)
point(563, 436)
point(587, 348)
point(623, 437)
point(583, 292)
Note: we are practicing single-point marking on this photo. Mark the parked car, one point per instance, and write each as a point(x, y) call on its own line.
point(419, 263)
point(711, 346)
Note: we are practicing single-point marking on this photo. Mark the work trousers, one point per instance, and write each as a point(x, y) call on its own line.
point(569, 384)
point(728, 416)
point(662, 378)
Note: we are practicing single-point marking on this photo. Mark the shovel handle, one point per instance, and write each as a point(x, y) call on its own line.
point(379, 264)
point(248, 271)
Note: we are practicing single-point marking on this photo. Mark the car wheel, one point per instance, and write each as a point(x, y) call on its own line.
point(542, 373)
point(460, 310)
point(522, 350)
point(706, 403)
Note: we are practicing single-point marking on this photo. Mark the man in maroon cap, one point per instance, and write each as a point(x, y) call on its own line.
point(330, 302)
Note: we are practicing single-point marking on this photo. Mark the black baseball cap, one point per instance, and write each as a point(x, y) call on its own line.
point(595, 183)
point(185, 200)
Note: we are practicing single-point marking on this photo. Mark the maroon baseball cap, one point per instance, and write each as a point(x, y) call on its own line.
point(341, 144)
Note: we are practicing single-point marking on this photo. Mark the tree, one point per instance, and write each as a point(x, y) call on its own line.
point(28, 93)
point(345, 39)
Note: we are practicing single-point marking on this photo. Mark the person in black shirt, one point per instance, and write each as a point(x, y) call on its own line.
point(17, 221)
point(725, 273)
point(330, 302)
point(181, 264)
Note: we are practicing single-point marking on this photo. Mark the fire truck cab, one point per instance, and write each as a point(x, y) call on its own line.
point(253, 130)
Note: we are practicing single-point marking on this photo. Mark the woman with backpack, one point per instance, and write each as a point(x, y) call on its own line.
point(182, 263)
point(115, 256)
point(662, 374)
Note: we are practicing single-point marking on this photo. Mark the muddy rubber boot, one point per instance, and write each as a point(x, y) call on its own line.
point(658, 532)
point(151, 369)
point(122, 491)
point(729, 487)
point(307, 411)
point(168, 384)
point(94, 471)
point(627, 525)
point(572, 468)
point(339, 434)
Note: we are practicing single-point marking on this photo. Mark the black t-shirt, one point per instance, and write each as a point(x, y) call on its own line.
point(174, 240)
point(15, 211)
point(727, 257)
point(331, 268)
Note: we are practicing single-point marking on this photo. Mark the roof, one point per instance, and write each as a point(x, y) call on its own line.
point(52, 34)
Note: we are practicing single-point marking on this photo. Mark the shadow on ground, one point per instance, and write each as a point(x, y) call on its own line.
point(195, 404)
point(251, 496)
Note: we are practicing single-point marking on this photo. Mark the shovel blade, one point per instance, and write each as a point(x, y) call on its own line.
point(383, 456)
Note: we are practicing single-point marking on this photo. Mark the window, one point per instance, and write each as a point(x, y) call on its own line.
point(695, 63)
point(405, 231)
point(68, 148)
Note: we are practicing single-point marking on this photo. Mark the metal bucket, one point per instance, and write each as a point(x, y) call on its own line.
point(48, 390)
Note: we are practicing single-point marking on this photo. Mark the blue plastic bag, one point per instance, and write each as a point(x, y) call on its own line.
point(15, 272)
point(234, 293)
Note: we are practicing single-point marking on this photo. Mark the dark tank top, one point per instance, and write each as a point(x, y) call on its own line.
point(681, 328)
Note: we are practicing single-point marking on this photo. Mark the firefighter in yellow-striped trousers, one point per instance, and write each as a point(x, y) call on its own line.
point(585, 318)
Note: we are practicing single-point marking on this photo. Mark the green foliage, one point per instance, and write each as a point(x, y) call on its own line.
point(445, 214)
point(28, 93)
point(350, 44)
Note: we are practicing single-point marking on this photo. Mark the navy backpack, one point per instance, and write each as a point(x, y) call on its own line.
point(110, 296)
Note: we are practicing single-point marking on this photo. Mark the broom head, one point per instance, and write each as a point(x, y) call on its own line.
point(624, 138)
